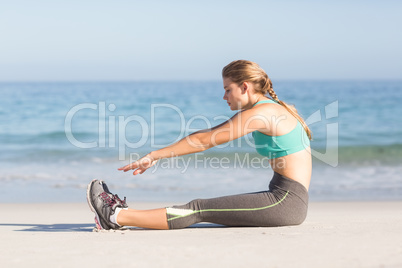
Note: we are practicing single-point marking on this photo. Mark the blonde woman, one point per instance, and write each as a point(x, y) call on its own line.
point(279, 133)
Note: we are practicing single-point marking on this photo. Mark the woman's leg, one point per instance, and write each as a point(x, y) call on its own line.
point(153, 218)
point(262, 209)
point(285, 203)
point(277, 208)
point(253, 209)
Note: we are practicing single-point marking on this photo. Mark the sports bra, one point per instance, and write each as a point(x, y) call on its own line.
point(277, 146)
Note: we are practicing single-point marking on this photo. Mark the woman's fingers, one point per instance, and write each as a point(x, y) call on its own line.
point(139, 166)
point(123, 168)
point(139, 171)
point(129, 167)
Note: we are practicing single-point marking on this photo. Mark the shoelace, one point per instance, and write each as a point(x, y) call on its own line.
point(112, 199)
point(108, 200)
point(122, 202)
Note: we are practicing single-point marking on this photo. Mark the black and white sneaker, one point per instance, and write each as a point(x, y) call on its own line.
point(103, 203)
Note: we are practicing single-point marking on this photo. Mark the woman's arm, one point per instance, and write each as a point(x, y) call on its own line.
point(190, 144)
point(239, 125)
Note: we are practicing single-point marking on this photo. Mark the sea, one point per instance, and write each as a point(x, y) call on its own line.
point(55, 137)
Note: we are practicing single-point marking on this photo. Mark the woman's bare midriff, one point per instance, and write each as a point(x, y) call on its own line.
point(295, 166)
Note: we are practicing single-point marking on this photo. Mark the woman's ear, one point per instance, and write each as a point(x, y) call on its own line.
point(245, 87)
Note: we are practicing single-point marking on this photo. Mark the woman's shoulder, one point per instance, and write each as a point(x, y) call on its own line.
point(268, 106)
point(275, 113)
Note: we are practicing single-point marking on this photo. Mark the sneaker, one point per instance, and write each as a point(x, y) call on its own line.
point(103, 203)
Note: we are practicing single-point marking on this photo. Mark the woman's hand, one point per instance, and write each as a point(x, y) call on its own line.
point(141, 165)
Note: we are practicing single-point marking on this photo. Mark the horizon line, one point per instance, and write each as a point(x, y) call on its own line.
point(194, 80)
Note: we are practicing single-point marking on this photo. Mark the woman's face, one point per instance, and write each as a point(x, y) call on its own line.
point(233, 94)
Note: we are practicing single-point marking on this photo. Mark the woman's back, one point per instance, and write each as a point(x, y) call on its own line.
point(284, 141)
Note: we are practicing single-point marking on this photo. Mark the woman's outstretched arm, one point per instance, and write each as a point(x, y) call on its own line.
point(239, 125)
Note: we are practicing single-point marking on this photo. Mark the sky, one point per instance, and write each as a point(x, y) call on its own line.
point(87, 40)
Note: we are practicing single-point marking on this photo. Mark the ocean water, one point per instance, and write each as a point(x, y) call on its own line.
point(56, 137)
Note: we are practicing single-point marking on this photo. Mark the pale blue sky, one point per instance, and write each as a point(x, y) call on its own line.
point(71, 40)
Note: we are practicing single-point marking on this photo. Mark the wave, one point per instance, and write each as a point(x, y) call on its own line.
point(371, 154)
point(55, 136)
point(54, 145)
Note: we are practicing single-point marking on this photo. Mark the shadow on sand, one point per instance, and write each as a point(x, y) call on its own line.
point(61, 227)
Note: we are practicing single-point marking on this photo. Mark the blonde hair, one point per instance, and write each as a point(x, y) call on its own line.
point(241, 71)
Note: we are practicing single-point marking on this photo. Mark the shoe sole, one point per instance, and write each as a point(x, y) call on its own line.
point(97, 218)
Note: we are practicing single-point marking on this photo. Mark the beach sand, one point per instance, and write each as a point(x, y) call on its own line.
point(335, 234)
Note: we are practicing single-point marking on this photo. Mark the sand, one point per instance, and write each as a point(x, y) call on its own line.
point(335, 234)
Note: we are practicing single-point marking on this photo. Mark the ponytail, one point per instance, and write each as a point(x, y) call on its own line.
point(292, 110)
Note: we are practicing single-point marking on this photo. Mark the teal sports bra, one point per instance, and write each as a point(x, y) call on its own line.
point(277, 146)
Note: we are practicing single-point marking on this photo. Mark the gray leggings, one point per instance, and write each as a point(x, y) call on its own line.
point(285, 203)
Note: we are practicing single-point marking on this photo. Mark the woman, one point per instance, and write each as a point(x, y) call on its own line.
point(279, 134)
